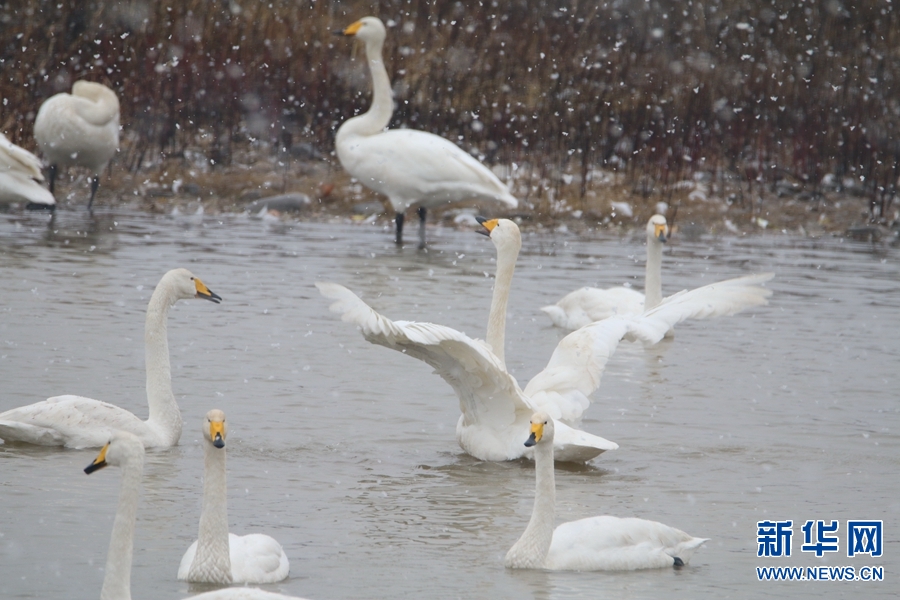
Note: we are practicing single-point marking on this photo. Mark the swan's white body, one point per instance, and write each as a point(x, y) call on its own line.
point(494, 408)
point(218, 556)
point(127, 451)
point(593, 544)
point(723, 298)
point(20, 172)
point(81, 128)
point(78, 422)
point(412, 168)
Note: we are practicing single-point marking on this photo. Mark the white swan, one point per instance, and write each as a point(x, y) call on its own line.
point(218, 556)
point(593, 544)
point(127, 451)
point(412, 168)
point(81, 128)
point(78, 422)
point(20, 172)
point(494, 408)
point(722, 298)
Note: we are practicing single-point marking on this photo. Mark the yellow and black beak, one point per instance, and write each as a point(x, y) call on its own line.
point(487, 224)
point(350, 30)
point(537, 432)
point(205, 293)
point(99, 462)
point(217, 433)
point(660, 232)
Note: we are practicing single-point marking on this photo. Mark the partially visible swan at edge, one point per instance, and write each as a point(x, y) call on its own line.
point(412, 168)
point(78, 422)
point(20, 172)
point(81, 128)
point(126, 451)
point(494, 408)
point(593, 544)
point(218, 556)
point(722, 298)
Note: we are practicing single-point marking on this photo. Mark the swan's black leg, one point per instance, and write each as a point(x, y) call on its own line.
point(51, 174)
point(95, 183)
point(399, 220)
point(423, 212)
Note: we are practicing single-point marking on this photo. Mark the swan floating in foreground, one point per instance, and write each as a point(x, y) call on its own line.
point(126, 451)
point(412, 168)
point(81, 128)
point(20, 172)
point(218, 556)
point(78, 422)
point(722, 298)
point(593, 544)
point(494, 408)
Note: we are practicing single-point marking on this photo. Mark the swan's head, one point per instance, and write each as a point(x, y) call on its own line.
point(541, 429)
point(503, 232)
point(367, 29)
point(657, 229)
point(122, 448)
point(214, 429)
point(187, 286)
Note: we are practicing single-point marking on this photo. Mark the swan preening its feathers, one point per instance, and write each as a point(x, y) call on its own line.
point(127, 451)
point(412, 168)
point(724, 298)
point(218, 556)
point(20, 174)
point(78, 422)
point(593, 544)
point(494, 408)
point(81, 128)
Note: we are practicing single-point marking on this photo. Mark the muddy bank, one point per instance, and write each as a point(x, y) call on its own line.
point(308, 184)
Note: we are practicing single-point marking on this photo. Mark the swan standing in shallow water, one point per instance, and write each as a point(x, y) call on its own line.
point(126, 451)
point(494, 408)
point(78, 422)
point(723, 298)
point(593, 544)
point(218, 556)
point(412, 168)
point(20, 172)
point(81, 128)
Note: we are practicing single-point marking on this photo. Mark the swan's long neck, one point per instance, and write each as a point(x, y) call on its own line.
point(531, 549)
point(653, 277)
point(165, 416)
point(98, 111)
point(117, 580)
point(496, 329)
point(212, 562)
point(378, 116)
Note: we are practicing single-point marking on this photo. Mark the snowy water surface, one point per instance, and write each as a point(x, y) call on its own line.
point(345, 452)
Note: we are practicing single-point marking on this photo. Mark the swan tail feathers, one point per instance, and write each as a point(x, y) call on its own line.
point(575, 445)
point(15, 431)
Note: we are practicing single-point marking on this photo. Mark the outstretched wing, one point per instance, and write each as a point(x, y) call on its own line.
point(487, 393)
point(563, 388)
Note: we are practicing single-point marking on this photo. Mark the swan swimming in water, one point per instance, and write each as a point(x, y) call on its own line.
point(126, 451)
point(723, 298)
point(218, 556)
point(494, 408)
point(593, 544)
point(20, 172)
point(411, 167)
point(81, 128)
point(78, 422)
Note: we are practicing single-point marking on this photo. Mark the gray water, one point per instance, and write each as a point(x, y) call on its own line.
point(345, 452)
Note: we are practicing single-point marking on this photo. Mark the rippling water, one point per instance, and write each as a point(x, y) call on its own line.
point(345, 452)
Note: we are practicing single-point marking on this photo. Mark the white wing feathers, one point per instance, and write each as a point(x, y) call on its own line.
point(495, 411)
